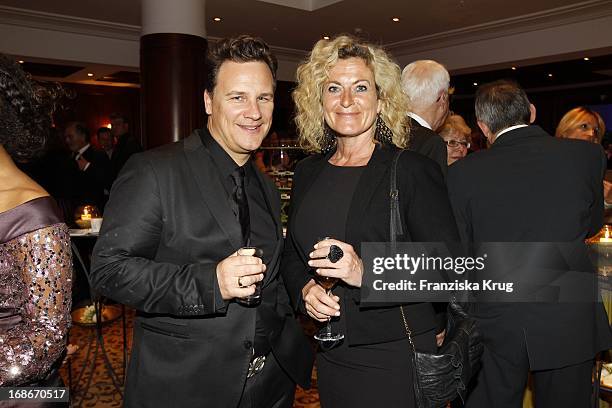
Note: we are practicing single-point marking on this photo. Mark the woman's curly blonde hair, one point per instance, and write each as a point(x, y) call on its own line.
point(314, 72)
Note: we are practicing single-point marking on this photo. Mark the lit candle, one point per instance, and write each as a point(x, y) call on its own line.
point(86, 216)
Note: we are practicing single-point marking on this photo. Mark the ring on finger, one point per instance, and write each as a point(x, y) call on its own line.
point(240, 285)
point(335, 253)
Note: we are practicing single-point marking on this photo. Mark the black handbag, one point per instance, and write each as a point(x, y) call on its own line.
point(441, 377)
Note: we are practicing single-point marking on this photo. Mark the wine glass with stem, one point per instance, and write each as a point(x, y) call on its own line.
point(327, 282)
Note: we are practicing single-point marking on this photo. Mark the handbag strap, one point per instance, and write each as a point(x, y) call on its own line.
point(395, 219)
point(395, 226)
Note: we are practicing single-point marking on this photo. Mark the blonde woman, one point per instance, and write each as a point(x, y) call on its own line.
point(456, 134)
point(585, 124)
point(581, 123)
point(351, 115)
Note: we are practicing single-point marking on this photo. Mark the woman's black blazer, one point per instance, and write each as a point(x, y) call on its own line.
point(426, 215)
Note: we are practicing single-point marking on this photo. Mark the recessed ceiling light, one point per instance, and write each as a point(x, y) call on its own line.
point(396, 19)
point(550, 75)
point(586, 58)
point(217, 19)
point(475, 83)
point(20, 61)
point(514, 68)
point(89, 74)
point(326, 37)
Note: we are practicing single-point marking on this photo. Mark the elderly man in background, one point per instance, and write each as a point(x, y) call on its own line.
point(427, 83)
point(532, 188)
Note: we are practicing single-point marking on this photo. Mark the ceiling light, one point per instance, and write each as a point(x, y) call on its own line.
point(326, 37)
point(217, 19)
point(396, 19)
point(475, 83)
point(20, 61)
point(514, 68)
point(586, 58)
point(109, 126)
point(89, 74)
point(550, 75)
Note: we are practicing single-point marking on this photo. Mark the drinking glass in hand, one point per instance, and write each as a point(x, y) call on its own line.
point(255, 298)
point(326, 282)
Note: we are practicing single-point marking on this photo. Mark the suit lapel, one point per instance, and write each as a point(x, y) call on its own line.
point(309, 176)
point(273, 205)
point(206, 176)
point(373, 175)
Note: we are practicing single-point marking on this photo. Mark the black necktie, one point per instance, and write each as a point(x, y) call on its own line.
point(240, 198)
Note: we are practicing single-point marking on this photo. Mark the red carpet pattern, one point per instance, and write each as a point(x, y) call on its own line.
point(99, 392)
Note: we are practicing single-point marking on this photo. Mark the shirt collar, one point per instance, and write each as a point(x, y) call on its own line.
point(223, 161)
point(420, 120)
point(508, 129)
point(82, 150)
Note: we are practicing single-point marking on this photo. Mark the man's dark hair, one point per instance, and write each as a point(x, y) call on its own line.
point(238, 49)
point(103, 129)
point(81, 129)
point(116, 115)
point(502, 104)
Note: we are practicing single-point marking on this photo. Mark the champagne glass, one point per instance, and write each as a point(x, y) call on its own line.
point(326, 282)
point(255, 298)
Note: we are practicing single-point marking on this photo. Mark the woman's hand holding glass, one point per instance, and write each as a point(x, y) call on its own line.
point(348, 268)
point(320, 305)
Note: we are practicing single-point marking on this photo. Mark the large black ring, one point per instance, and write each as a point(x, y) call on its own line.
point(335, 254)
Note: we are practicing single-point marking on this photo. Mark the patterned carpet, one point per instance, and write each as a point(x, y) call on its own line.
point(97, 390)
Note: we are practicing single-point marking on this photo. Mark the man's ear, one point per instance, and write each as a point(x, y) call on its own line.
point(483, 126)
point(532, 111)
point(207, 103)
point(487, 132)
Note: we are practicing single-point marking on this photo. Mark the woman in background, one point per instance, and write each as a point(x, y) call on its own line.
point(456, 134)
point(581, 123)
point(35, 257)
point(585, 124)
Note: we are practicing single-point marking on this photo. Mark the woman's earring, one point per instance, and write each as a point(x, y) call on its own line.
point(329, 140)
point(382, 133)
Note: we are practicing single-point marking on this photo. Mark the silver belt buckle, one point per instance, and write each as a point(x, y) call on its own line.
point(256, 365)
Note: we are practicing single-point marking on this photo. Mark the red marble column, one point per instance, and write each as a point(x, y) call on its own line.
point(173, 75)
point(172, 68)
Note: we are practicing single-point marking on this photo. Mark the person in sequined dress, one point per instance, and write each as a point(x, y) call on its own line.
point(35, 257)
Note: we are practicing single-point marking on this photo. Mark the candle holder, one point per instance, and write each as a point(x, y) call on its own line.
point(84, 214)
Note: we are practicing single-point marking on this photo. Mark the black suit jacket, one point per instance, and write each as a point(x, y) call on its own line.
point(428, 143)
point(426, 215)
point(126, 146)
point(167, 226)
point(87, 186)
point(531, 187)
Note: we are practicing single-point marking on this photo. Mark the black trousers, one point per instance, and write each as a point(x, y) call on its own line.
point(501, 384)
point(270, 388)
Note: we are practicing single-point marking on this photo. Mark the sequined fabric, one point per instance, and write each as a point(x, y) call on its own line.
point(35, 300)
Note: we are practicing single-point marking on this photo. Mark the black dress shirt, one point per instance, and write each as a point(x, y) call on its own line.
point(263, 229)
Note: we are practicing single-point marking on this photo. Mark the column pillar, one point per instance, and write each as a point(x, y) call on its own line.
point(172, 69)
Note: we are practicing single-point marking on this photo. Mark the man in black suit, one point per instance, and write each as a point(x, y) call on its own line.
point(168, 247)
point(126, 145)
point(89, 167)
point(530, 187)
point(426, 83)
